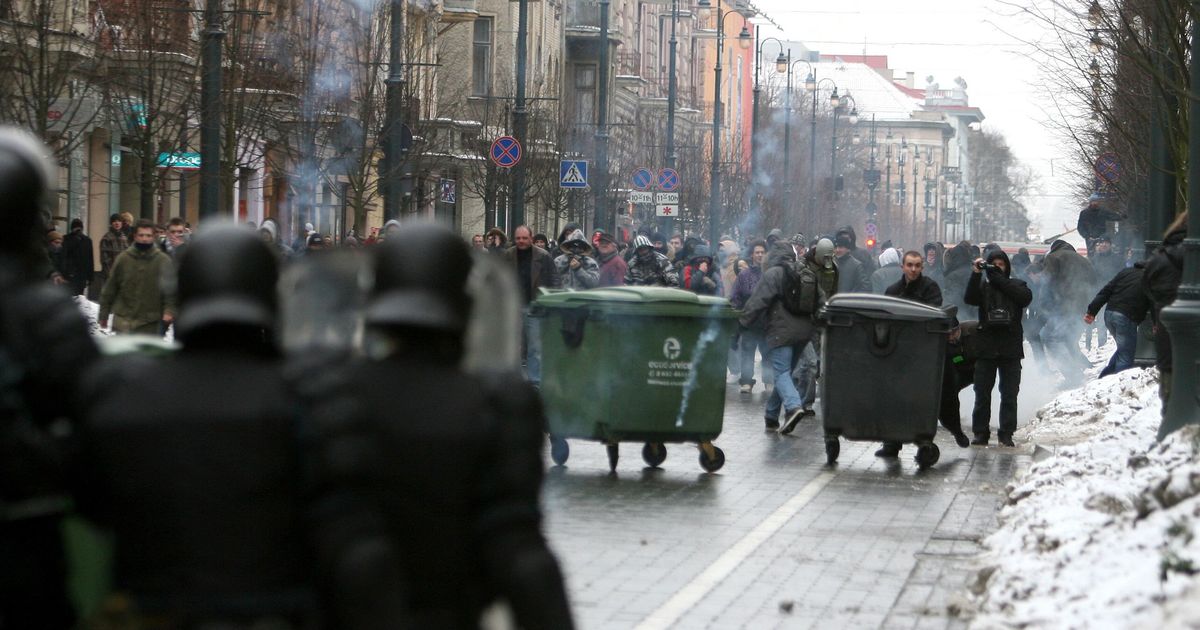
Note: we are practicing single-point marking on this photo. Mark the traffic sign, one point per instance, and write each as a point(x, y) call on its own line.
point(573, 174)
point(506, 152)
point(666, 210)
point(642, 179)
point(668, 198)
point(872, 208)
point(668, 180)
point(1108, 167)
point(871, 229)
point(641, 196)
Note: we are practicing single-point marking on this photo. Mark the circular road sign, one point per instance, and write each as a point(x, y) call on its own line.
point(506, 152)
point(668, 180)
point(642, 179)
point(1108, 167)
point(871, 229)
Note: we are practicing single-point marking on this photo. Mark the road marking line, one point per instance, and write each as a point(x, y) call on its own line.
point(691, 594)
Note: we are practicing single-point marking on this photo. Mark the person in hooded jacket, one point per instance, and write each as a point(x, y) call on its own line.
point(446, 471)
point(1021, 262)
point(1070, 284)
point(78, 264)
point(820, 259)
point(46, 352)
point(957, 273)
point(647, 267)
point(575, 267)
point(869, 262)
point(701, 275)
point(1001, 300)
point(786, 332)
point(934, 254)
point(269, 231)
point(853, 277)
point(1160, 282)
point(888, 273)
point(193, 461)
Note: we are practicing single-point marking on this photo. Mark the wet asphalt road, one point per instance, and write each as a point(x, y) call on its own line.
point(775, 538)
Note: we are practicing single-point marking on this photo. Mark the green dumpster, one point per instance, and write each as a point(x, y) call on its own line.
point(634, 364)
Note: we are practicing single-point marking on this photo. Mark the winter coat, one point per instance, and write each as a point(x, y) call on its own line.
point(923, 290)
point(934, 270)
point(744, 286)
point(139, 290)
point(612, 270)
point(1000, 290)
point(696, 281)
point(827, 279)
point(888, 273)
point(1164, 272)
point(1123, 294)
point(852, 276)
point(869, 263)
point(112, 244)
point(585, 276)
point(1070, 280)
point(957, 276)
point(78, 263)
point(783, 328)
point(655, 272)
point(542, 271)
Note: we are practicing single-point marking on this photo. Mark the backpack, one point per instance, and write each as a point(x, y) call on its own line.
point(800, 289)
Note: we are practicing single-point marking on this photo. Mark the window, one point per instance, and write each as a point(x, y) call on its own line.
point(481, 57)
point(585, 94)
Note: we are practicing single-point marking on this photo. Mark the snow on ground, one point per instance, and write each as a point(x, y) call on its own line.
point(1101, 533)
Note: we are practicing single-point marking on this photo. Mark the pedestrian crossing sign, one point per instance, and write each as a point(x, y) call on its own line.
point(573, 174)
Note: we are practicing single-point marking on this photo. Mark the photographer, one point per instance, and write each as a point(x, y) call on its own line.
point(1001, 300)
point(575, 267)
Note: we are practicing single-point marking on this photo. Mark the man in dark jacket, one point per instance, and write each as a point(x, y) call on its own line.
point(535, 269)
point(1160, 282)
point(956, 275)
point(753, 339)
point(46, 351)
point(139, 294)
point(78, 264)
point(445, 465)
point(853, 276)
point(1126, 305)
point(933, 262)
point(1001, 300)
point(868, 260)
point(1070, 283)
point(786, 332)
point(195, 458)
point(112, 244)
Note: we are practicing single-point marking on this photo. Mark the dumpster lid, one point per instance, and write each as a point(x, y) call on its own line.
point(883, 306)
point(627, 294)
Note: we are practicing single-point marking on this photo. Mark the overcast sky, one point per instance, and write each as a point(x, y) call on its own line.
point(980, 40)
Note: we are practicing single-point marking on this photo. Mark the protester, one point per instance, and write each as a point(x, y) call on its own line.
point(612, 266)
point(752, 339)
point(648, 267)
point(576, 269)
point(78, 261)
point(1125, 305)
point(140, 294)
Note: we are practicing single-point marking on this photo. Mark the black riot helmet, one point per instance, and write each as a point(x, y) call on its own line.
point(227, 278)
point(26, 173)
point(421, 274)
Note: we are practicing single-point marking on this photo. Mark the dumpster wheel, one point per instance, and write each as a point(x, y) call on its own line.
point(833, 448)
point(712, 458)
point(654, 454)
point(559, 450)
point(927, 455)
point(614, 452)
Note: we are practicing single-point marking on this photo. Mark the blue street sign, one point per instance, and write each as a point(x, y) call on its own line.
point(668, 180)
point(506, 151)
point(179, 161)
point(573, 174)
point(642, 179)
point(1108, 167)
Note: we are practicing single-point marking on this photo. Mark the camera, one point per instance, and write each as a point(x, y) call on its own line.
point(986, 266)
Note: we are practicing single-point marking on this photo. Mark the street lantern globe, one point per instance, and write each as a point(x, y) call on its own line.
point(781, 63)
point(834, 100)
point(704, 5)
point(745, 38)
point(1096, 43)
point(854, 116)
point(1095, 13)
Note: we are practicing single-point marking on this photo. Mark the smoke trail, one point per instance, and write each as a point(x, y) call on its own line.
point(706, 338)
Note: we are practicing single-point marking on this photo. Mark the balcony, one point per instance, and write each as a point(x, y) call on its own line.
point(459, 11)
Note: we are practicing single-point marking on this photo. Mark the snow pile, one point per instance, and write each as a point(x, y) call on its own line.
point(91, 311)
point(1100, 535)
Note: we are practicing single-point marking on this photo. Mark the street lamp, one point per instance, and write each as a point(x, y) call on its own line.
point(744, 38)
point(672, 91)
point(839, 104)
point(811, 84)
point(781, 66)
point(787, 130)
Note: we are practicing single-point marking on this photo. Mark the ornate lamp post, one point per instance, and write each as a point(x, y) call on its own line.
point(781, 66)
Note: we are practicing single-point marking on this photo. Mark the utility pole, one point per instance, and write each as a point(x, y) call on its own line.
point(672, 95)
point(394, 148)
point(787, 143)
point(714, 178)
point(752, 191)
point(520, 115)
point(600, 214)
point(210, 112)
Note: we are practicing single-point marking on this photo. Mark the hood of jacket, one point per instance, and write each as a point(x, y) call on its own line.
point(1060, 245)
point(780, 254)
point(271, 229)
point(888, 258)
point(849, 232)
point(998, 254)
point(958, 257)
point(576, 239)
point(937, 259)
point(700, 253)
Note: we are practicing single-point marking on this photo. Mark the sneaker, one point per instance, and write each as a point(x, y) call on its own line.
point(888, 450)
point(772, 424)
point(793, 418)
point(981, 439)
point(1006, 440)
point(745, 390)
point(962, 440)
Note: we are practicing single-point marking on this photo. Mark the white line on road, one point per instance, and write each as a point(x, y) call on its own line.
point(694, 591)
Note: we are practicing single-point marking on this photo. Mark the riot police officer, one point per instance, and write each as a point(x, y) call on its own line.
point(450, 461)
point(193, 460)
point(44, 350)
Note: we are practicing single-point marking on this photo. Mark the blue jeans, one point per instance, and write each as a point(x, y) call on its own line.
point(1124, 331)
point(533, 350)
point(754, 341)
point(785, 395)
